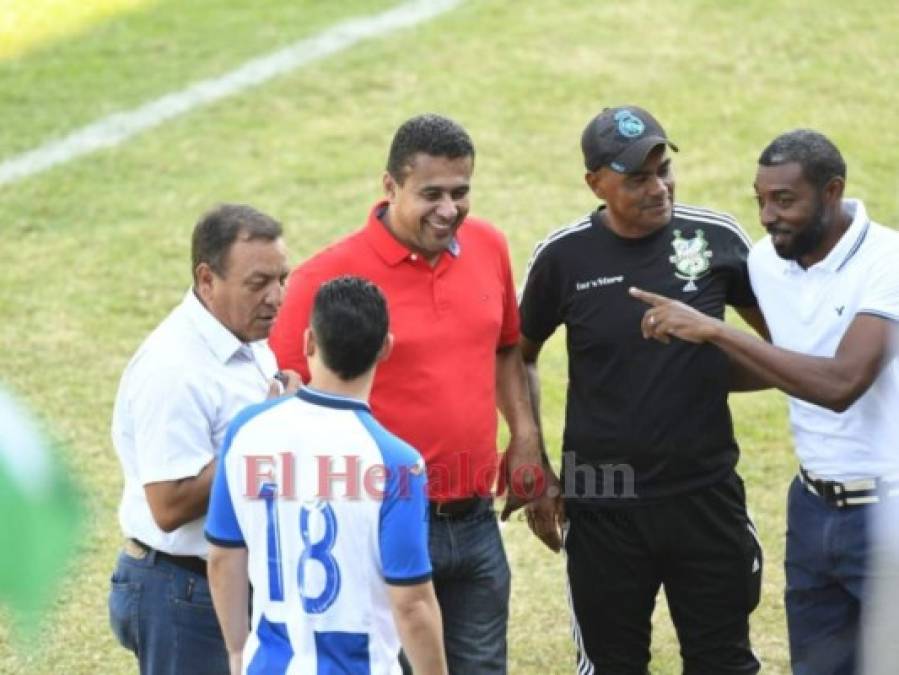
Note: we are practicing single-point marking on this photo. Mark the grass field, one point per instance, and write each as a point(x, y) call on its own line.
point(95, 252)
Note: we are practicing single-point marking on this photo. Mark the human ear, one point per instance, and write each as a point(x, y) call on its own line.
point(204, 282)
point(389, 186)
point(386, 348)
point(595, 183)
point(308, 343)
point(833, 190)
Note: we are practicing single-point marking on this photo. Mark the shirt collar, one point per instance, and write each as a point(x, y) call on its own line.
point(388, 247)
point(221, 341)
point(323, 398)
point(847, 245)
point(852, 238)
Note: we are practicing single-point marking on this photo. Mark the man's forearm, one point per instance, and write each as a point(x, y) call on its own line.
point(533, 379)
point(420, 628)
point(177, 502)
point(741, 378)
point(823, 381)
point(832, 382)
point(229, 584)
point(512, 395)
point(530, 352)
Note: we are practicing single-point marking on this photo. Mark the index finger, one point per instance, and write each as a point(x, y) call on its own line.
point(653, 299)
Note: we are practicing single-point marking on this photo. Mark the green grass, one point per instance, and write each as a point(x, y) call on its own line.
point(94, 253)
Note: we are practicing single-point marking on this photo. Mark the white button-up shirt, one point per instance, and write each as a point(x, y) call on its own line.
point(182, 387)
point(808, 311)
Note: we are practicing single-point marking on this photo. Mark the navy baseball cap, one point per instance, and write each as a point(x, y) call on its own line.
point(621, 138)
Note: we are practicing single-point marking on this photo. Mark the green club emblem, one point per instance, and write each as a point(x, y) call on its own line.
point(691, 258)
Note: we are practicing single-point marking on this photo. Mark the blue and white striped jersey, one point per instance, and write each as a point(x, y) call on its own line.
point(331, 508)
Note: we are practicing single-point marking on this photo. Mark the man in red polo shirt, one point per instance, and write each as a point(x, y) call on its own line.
point(454, 318)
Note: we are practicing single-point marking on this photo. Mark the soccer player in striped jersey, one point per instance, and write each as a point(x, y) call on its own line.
point(324, 512)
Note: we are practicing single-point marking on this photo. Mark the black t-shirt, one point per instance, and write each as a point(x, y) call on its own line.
point(649, 420)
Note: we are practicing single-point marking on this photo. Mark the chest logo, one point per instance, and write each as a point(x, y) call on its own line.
point(690, 259)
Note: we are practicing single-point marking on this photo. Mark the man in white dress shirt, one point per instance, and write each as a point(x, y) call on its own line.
point(195, 371)
point(828, 286)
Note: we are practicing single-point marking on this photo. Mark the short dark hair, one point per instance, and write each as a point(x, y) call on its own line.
point(218, 229)
point(349, 320)
point(813, 151)
point(431, 134)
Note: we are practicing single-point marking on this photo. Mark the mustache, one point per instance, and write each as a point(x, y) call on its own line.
point(777, 229)
point(656, 203)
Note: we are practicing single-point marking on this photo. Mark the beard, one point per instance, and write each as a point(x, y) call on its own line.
point(809, 238)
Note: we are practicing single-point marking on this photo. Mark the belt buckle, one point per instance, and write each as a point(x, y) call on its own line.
point(833, 493)
point(440, 512)
point(830, 492)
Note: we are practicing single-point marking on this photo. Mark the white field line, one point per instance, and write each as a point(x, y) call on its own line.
point(119, 127)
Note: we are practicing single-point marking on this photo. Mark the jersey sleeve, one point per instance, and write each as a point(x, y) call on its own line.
point(286, 336)
point(172, 425)
point(540, 304)
point(403, 532)
point(403, 516)
point(222, 528)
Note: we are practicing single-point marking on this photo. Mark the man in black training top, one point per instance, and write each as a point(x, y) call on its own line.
point(650, 491)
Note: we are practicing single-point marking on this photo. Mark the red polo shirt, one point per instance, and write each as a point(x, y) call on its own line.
point(437, 390)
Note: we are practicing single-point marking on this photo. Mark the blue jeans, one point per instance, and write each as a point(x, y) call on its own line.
point(826, 563)
point(164, 615)
point(472, 582)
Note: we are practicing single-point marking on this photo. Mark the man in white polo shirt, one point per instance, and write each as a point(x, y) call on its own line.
point(196, 370)
point(827, 283)
point(325, 512)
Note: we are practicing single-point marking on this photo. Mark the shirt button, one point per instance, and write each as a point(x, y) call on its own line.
point(413, 257)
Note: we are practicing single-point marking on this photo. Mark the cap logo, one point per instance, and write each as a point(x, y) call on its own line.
point(629, 125)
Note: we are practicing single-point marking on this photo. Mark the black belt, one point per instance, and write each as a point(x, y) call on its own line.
point(850, 493)
point(191, 563)
point(457, 508)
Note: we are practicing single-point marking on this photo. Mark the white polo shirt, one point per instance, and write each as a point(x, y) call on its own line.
point(808, 311)
point(181, 389)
